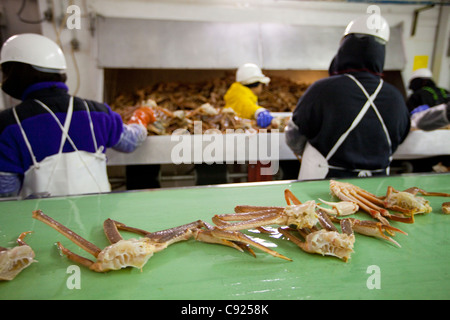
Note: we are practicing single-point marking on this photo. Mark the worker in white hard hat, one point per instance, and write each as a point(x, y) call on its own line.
point(350, 124)
point(53, 143)
point(425, 92)
point(242, 96)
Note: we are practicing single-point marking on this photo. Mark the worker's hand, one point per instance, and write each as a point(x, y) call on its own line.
point(143, 116)
point(420, 108)
point(264, 118)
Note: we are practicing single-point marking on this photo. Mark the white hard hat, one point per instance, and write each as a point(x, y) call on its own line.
point(33, 49)
point(250, 73)
point(421, 73)
point(373, 24)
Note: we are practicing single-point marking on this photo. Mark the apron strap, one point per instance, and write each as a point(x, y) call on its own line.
point(358, 118)
point(374, 107)
point(369, 103)
point(65, 135)
point(65, 128)
point(91, 125)
point(67, 123)
point(27, 142)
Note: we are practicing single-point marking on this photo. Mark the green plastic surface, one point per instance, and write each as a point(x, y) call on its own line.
point(196, 270)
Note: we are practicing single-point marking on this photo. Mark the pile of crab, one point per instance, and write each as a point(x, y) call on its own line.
point(178, 104)
point(206, 115)
point(311, 226)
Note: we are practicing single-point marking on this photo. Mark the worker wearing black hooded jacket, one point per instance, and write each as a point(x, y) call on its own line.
point(425, 91)
point(335, 127)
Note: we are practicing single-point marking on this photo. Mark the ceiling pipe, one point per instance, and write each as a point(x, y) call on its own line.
point(416, 17)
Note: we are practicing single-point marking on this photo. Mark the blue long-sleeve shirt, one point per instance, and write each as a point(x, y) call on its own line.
point(45, 135)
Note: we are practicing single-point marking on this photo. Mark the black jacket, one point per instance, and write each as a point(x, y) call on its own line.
point(426, 92)
point(330, 105)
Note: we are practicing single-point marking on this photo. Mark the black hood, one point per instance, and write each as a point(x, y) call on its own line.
point(18, 76)
point(359, 53)
point(418, 83)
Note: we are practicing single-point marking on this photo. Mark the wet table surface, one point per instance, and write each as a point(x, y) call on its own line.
point(195, 270)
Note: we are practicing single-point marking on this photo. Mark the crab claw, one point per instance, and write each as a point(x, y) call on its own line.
point(341, 208)
point(375, 229)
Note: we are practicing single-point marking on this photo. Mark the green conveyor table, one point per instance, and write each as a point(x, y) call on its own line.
point(194, 270)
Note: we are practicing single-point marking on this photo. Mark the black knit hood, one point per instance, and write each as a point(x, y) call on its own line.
point(359, 53)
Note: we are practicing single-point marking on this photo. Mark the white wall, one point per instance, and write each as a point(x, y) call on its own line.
point(441, 66)
point(312, 13)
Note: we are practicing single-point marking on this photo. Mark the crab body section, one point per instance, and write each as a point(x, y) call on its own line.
point(296, 216)
point(324, 239)
point(124, 253)
point(301, 215)
point(14, 260)
point(406, 202)
point(330, 243)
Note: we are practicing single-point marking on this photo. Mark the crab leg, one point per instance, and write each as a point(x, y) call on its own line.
point(172, 235)
point(302, 245)
point(415, 190)
point(347, 195)
point(288, 195)
point(346, 226)
point(367, 198)
point(240, 237)
point(258, 221)
point(75, 238)
point(385, 213)
point(75, 257)
point(20, 240)
point(247, 215)
point(325, 221)
point(221, 220)
point(203, 232)
point(255, 209)
point(110, 227)
point(371, 208)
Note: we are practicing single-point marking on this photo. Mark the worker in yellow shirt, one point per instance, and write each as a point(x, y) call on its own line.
point(242, 96)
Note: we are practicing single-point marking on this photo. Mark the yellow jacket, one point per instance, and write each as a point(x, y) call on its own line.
point(242, 100)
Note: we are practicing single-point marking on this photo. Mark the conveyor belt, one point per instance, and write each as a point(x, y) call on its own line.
point(194, 270)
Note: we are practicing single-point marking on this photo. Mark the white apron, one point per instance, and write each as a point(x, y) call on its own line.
point(315, 166)
point(71, 173)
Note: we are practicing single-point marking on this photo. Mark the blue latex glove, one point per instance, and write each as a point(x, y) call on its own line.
point(420, 108)
point(264, 119)
point(133, 135)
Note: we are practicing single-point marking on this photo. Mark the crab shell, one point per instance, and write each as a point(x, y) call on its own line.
point(14, 260)
point(408, 202)
point(303, 215)
point(330, 243)
point(124, 253)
